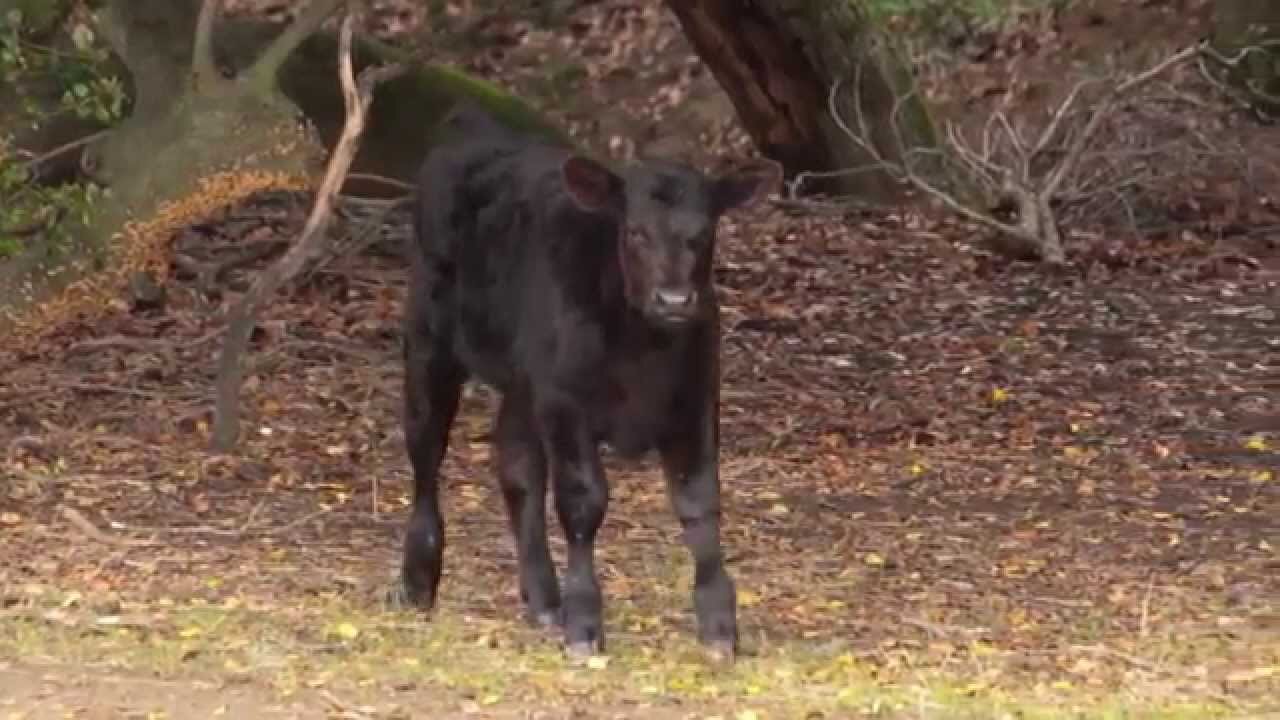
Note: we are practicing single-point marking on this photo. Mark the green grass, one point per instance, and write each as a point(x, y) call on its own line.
point(978, 9)
point(342, 643)
point(930, 21)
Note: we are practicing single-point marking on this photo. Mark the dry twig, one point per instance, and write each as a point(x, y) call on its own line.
point(382, 180)
point(243, 317)
point(35, 164)
point(203, 68)
point(83, 524)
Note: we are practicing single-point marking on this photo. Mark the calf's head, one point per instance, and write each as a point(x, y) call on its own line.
point(667, 215)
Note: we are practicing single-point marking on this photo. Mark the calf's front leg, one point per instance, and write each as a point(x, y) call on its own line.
point(522, 472)
point(581, 497)
point(691, 467)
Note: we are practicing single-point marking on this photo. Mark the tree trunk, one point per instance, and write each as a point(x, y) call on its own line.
point(1241, 24)
point(38, 16)
point(181, 153)
point(778, 61)
point(189, 148)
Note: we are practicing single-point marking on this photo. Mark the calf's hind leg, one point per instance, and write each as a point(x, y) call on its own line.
point(522, 473)
point(433, 384)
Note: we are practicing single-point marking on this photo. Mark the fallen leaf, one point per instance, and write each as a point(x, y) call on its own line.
point(346, 631)
point(1262, 673)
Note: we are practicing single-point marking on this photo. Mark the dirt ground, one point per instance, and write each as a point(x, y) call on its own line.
point(956, 487)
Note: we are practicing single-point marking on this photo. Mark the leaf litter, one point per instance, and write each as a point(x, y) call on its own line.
point(954, 485)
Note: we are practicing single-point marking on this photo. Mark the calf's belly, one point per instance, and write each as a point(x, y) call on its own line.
point(628, 443)
point(634, 426)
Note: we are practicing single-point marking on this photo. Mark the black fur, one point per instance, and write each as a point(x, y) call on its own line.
point(585, 298)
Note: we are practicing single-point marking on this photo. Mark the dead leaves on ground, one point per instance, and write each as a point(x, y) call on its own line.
point(933, 460)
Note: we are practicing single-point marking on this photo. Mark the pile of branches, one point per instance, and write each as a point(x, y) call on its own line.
point(1115, 152)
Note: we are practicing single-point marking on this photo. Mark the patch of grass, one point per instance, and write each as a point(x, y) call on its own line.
point(342, 643)
point(950, 21)
point(561, 81)
point(981, 9)
point(9, 246)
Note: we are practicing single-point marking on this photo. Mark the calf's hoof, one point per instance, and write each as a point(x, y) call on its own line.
point(719, 636)
point(721, 651)
point(405, 595)
point(584, 621)
point(394, 597)
point(580, 651)
point(547, 618)
point(715, 605)
point(583, 636)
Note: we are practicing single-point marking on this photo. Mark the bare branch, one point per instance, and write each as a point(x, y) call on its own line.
point(858, 138)
point(86, 526)
point(988, 137)
point(1144, 77)
point(263, 71)
point(203, 69)
point(1253, 97)
point(979, 165)
point(797, 183)
point(1015, 141)
point(33, 165)
point(1082, 140)
point(1085, 159)
point(914, 180)
point(1234, 60)
point(381, 180)
point(357, 95)
point(1051, 130)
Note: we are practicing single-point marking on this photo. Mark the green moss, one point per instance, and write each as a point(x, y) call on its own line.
point(936, 10)
point(405, 110)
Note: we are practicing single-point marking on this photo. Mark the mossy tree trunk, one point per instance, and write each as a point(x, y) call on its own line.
point(1248, 32)
point(196, 140)
point(187, 126)
point(778, 61)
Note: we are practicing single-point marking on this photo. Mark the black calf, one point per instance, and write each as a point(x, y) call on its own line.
point(585, 298)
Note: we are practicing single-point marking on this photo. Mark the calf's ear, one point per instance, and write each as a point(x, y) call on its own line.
point(590, 184)
point(746, 185)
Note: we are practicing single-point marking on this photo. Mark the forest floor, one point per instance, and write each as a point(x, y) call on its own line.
point(956, 486)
